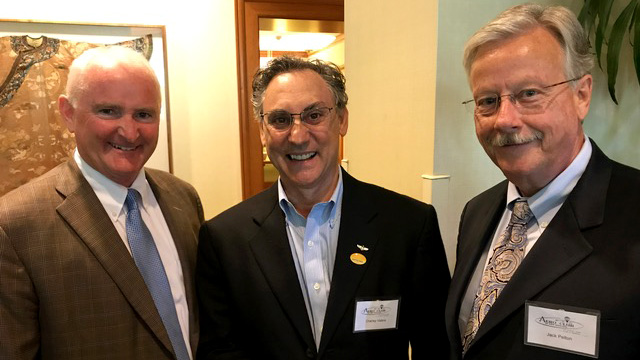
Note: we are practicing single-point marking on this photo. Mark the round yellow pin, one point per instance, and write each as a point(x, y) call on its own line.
point(358, 259)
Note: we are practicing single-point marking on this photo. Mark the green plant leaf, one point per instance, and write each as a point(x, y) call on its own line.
point(615, 43)
point(587, 16)
point(636, 41)
point(604, 11)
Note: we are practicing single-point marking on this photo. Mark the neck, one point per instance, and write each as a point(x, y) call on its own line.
point(303, 199)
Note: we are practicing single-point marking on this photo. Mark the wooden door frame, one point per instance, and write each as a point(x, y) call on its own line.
point(248, 60)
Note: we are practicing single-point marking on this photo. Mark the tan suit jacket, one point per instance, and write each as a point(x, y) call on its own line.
point(69, 289)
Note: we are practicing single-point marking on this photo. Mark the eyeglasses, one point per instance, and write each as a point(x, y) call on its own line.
point(528, 101)
point(281, 120)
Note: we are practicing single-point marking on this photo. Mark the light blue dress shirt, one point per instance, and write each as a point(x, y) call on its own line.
point(313, 243)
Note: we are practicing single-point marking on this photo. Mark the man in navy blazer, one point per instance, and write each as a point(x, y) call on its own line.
point(320, 265)
point(562, 284)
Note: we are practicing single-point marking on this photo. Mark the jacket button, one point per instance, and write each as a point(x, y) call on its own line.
point(311, 354)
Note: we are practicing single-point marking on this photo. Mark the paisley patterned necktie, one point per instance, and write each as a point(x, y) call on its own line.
point(507, 256)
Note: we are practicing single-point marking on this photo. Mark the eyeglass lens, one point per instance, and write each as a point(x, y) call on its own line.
point(283, 120)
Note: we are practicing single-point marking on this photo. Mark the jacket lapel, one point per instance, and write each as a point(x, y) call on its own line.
point(562, 245)
point(84, 213)
point(272, 252)
point(469, 252)
point(184, 238)
point(356, 228)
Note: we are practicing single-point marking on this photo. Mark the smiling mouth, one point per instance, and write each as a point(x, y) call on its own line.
point(123, 148)
point(301, 157)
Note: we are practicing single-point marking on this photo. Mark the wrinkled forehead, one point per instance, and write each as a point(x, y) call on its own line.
point(297, 87)
point(519, 58)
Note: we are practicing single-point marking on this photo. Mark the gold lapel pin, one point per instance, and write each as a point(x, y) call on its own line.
point(362, 248)
point(358, 259)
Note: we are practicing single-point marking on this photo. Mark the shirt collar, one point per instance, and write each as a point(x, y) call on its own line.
point(110, 193)
point(556, 192)
point(330, 212)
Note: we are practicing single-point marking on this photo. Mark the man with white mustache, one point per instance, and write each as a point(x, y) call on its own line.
point(548, 261)
point(97, 256)
point(320, 265)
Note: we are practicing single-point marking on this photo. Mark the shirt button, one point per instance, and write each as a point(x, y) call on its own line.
point(544, 224)
point(310, 243)
point(316, 286)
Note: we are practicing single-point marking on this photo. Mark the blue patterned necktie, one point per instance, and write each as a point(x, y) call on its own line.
point(146, 256)
point(507, 256)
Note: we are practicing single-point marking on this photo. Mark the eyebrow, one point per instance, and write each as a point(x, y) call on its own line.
point(147, 109)
point(519, 86)
point(114, 105)
point(98, 106)
point(309, 107)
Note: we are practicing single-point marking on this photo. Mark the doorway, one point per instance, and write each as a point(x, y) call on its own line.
point(257, 24)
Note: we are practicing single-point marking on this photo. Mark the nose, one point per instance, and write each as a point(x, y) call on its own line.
point(507, 117)
point(128, 128)
point(299, 133)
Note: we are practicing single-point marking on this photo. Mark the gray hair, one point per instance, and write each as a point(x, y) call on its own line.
point(558, 20)
point(329, 72)
point(105, 57)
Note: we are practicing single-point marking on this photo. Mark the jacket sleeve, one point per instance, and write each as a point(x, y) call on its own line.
point(216, 328)
point(19, 330)
point(431, 280)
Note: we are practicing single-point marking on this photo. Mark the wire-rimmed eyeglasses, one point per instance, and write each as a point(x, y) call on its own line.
point(532, 100)
point(282, 120)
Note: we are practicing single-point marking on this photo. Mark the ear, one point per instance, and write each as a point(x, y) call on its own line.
point(583, 96)
point(344, 121)
point(263, 135)
point(66, 110)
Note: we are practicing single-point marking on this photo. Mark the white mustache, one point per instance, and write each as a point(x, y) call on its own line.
point(501, 139)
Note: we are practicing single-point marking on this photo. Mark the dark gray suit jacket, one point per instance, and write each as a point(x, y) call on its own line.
point(588, 257)
point(69, 288)
point(250, 298)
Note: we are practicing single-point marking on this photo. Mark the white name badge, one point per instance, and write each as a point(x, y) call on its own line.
point(562, 328)
point(376, 315)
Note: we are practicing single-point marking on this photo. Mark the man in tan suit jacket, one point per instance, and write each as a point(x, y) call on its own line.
point(69, 286)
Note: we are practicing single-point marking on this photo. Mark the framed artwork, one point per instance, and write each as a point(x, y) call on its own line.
point(34, 62)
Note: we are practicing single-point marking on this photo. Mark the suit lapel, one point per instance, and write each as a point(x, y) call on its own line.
point(562, 245)
point(469, 252)
point(84, 213)
point(184, 238)
point(272, 252)
point(356, 228)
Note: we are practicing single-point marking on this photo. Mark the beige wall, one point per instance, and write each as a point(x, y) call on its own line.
point(333, 52)
point(202, 81)
point(391, 76)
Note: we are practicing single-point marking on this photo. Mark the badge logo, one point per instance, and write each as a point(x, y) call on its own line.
point(358, 259)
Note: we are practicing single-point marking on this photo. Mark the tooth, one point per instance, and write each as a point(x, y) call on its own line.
point(123, 148)
point(302, 156)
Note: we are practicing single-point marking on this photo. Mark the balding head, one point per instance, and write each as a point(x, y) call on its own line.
point(101, 58)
